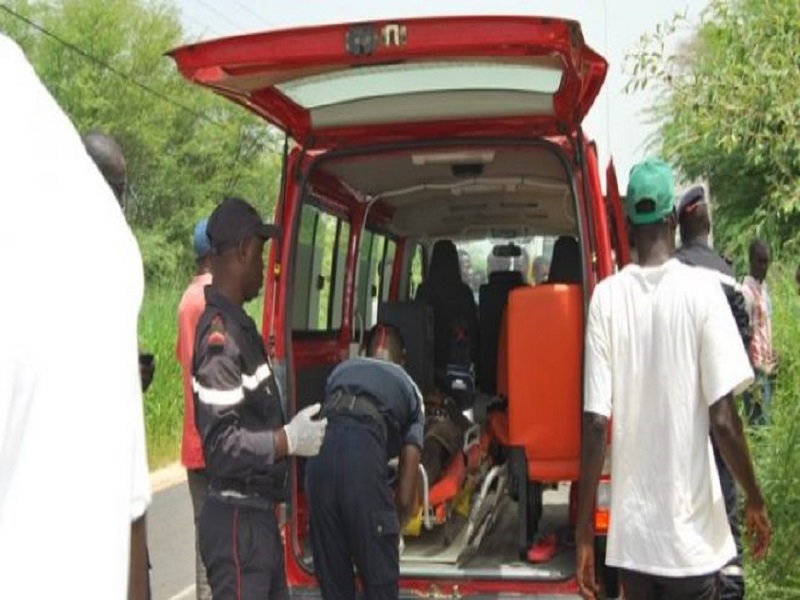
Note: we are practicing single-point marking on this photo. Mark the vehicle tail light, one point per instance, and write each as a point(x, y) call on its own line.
point(602, 506)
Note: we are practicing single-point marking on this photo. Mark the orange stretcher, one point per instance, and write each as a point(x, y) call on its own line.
point(451, 494)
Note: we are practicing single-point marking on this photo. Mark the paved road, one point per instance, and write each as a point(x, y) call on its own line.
point(170, 534)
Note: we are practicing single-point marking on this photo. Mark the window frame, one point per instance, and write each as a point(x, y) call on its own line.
point(340, 249)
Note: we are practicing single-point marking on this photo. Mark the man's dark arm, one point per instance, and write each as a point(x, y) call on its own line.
point(139, 571)
point(726, 427)
point(406, 497)
point(593, 454)
point(410, 455)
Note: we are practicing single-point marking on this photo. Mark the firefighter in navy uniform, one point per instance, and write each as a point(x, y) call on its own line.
point(375, 413)
point(239, 414)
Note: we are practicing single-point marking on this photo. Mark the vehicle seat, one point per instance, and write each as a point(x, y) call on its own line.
point(565, 266)
point(539, 372)
point(454, 311)
point(544, 360)
point(493, 299)
point(414, 321)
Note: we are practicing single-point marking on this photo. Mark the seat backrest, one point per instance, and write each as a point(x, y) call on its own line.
point(493, 299)
point(543, 362)
point(565, 266)
point(414, 321)
point(452, 302)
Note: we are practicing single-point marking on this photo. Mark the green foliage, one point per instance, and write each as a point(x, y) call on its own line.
point(729, 112)
point(163, 402)
point(776, 451)
point(185, 147)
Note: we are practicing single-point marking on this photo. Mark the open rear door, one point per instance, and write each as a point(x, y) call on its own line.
point(390, 80)
point(616, 217)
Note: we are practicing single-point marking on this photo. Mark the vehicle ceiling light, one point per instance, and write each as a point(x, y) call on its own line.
point(454, 158)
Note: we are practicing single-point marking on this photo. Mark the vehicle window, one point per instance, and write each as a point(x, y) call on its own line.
point(416, 272)
point(376, 262)
point(387, 268)
point(319, 280)
point(339, 269)
point(530, 256)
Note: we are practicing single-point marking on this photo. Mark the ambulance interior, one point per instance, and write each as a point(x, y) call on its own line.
point(503, 506)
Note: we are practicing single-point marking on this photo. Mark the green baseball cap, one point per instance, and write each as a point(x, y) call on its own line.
point(651, 180)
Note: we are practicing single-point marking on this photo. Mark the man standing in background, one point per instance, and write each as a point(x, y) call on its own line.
point(192, 305)
point(694, 222)
point(109, 159)
point(541, 269)
point(762, 357)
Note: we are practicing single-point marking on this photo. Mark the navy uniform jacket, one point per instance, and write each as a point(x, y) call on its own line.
point(237, 403)
point(394, 393)
point(701, 255)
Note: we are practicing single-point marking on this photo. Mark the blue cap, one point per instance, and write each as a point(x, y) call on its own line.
point(202, 245)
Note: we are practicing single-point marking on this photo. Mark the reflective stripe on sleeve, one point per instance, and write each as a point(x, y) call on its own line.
point(218, 397)
point(251, 382)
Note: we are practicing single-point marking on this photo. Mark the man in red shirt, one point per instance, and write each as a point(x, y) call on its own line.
point(191, 307)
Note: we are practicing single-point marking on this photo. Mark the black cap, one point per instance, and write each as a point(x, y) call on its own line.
point(693, 196)
point(234, 221)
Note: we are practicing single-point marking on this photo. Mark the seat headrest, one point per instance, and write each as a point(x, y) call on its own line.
point(565, 267)
point(445, 269)
point(508, 277)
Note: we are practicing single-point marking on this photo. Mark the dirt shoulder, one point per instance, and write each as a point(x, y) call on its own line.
point(166, 477)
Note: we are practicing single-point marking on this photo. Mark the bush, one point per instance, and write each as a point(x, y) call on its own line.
point(776, 451)
point(728, 113)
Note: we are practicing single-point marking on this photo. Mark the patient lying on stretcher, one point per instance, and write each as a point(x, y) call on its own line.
point(445, 427)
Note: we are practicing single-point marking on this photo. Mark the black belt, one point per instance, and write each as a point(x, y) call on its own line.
point(359, 406)
point(234, 497)
point(237, 489)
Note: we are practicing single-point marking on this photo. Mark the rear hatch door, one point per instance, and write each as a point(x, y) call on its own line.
point(337, 85)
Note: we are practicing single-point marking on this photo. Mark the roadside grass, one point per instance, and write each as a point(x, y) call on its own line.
point(163, 402)
point(776, 451)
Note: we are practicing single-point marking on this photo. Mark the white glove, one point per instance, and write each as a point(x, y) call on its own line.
point(304, 436)
point(401, 545)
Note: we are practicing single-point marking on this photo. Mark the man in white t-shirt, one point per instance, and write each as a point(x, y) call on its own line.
point(73, 470)
point(663, 356)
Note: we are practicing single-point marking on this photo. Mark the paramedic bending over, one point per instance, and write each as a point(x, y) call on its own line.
point(374, 413)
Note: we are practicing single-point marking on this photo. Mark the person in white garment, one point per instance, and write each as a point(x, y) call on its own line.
point(663, 358)
point(73, 465)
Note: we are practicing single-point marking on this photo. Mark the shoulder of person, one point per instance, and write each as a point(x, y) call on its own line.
point(186, 299)
point(683, 254)
point(699, 276)
point(214, 333)
point(604, 288)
